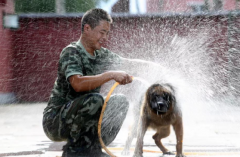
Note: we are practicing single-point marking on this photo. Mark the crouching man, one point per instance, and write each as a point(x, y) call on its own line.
point(74, 107)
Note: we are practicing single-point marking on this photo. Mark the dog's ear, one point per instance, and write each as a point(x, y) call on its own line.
point(170, 87)
point(148, 94)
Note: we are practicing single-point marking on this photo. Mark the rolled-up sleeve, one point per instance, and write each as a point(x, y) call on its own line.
point(71, 63)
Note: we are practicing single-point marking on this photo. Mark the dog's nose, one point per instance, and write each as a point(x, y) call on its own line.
point(159, 103)
point(162, 106)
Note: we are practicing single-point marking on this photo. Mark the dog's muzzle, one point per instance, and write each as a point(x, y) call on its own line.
point(160, 105)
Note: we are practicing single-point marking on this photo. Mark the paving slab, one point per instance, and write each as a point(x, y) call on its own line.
point(213, 133)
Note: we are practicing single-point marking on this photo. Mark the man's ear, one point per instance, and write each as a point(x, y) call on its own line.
point(87, 28)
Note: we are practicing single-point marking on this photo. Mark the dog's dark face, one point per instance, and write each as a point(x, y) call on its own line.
point(160, 98)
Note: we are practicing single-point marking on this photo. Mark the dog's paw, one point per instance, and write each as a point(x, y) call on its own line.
point(180, 155)
point(125, 153)
point(168, 153)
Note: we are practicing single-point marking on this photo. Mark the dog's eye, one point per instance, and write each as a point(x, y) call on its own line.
point(166, 97)
point(154, 97)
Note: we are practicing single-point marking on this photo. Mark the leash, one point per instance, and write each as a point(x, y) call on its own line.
point(101, 117)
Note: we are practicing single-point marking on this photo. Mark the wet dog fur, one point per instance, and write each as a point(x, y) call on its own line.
point(158, 111)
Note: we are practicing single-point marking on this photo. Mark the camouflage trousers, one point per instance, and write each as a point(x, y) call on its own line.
point(77, 121)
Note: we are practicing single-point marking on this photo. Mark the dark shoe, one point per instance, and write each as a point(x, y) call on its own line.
point(85, 153)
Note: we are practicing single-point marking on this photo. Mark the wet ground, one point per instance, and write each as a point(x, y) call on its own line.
point(213, 133)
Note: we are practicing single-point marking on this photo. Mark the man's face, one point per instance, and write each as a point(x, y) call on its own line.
point(98, 35)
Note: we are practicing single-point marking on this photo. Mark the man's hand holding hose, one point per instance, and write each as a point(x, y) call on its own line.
point(121, 77)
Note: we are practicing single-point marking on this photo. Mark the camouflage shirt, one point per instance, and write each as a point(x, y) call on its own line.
point(75, 60)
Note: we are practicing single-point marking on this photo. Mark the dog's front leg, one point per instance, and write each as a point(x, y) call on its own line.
point(178, 128)
point(141, 132)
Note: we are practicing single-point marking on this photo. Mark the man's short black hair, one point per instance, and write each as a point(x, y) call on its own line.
point(94, 16)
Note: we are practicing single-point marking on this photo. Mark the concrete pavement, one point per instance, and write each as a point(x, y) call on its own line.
point(209, 132)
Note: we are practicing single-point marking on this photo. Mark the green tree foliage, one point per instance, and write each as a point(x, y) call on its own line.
point(48, 6)
point(80, 5)
point(34, 6)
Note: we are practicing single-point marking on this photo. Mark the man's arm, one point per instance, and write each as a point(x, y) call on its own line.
point(87, 83)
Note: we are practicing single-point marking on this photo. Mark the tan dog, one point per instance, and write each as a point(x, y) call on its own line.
point(159, 111)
